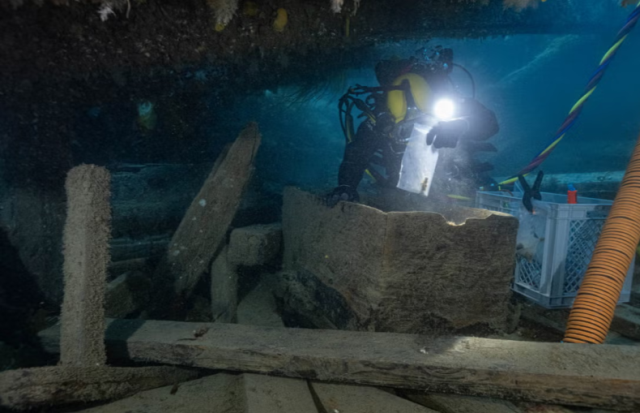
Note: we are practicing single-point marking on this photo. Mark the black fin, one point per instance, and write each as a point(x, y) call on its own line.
point(536, 186)
point(526, 198)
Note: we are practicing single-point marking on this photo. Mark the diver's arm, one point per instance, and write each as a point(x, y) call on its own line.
point(482, 122)
point(473, 123)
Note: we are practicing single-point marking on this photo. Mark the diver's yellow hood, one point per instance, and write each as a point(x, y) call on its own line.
point(397, 101)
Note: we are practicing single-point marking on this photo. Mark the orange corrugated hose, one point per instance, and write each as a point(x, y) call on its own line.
point(595, 304)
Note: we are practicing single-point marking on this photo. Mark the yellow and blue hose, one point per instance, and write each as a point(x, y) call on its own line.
point(577, 108)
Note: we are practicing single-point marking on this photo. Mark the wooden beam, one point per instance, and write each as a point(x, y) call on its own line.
point(205, 224)
point(267, 394)
point(360, 399)
point(46, 386)
point(462, 404)
point(593, 376)
point(543, 408)
point(217, 393)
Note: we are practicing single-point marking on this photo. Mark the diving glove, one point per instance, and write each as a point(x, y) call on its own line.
point(342, 193)
point(447, 134)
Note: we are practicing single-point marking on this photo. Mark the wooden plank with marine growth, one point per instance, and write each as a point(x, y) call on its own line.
point(217, 393)
point(551, 373)
point(205, 224)
point(462, 404)
point(360, 399)
point(47, 386)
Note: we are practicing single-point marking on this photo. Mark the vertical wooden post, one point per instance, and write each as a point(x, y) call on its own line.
point(86, 256)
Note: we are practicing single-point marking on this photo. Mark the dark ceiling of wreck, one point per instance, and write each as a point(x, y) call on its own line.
point(71, 41)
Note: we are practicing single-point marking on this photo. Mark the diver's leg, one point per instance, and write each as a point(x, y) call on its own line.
point(392, 159)
point(357, 156)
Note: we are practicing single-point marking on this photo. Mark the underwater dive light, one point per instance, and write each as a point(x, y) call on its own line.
point(444, 109)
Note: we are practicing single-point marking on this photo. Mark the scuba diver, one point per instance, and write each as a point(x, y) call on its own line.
point(416, 97)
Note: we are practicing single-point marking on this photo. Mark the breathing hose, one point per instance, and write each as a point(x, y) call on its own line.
point(473, 82)
point(575, 111)
point(595, 304)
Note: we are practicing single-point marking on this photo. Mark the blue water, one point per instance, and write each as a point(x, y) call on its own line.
point(530, 81)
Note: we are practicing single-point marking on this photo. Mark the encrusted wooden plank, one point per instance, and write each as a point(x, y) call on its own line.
point(218, 393)
point(47, 386)
point(266, 394)
point(361, 399)
point(551, 373)
point(462, 404)
point(543, 408)
point(206, 222)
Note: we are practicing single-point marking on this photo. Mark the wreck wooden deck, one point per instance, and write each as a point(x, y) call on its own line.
point(582, 375)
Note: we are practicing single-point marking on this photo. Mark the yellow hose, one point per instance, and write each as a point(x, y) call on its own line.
point(595, 304)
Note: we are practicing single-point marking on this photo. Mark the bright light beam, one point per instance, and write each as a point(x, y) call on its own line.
point(444, 109)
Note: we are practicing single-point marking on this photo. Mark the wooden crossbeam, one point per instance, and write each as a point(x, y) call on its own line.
point(55, 385)
point(582, 375)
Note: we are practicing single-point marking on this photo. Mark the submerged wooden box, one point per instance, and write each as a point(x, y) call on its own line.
point(356, 267)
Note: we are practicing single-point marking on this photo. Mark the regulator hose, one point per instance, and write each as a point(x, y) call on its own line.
point(595, 304)
point(473, 82)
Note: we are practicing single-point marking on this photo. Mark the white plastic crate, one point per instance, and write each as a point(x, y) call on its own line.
point(551, 272)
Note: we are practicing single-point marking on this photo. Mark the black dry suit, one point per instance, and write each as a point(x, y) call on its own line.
point(374, 143)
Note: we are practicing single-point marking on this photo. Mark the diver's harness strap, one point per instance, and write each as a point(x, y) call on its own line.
point(351, 99)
